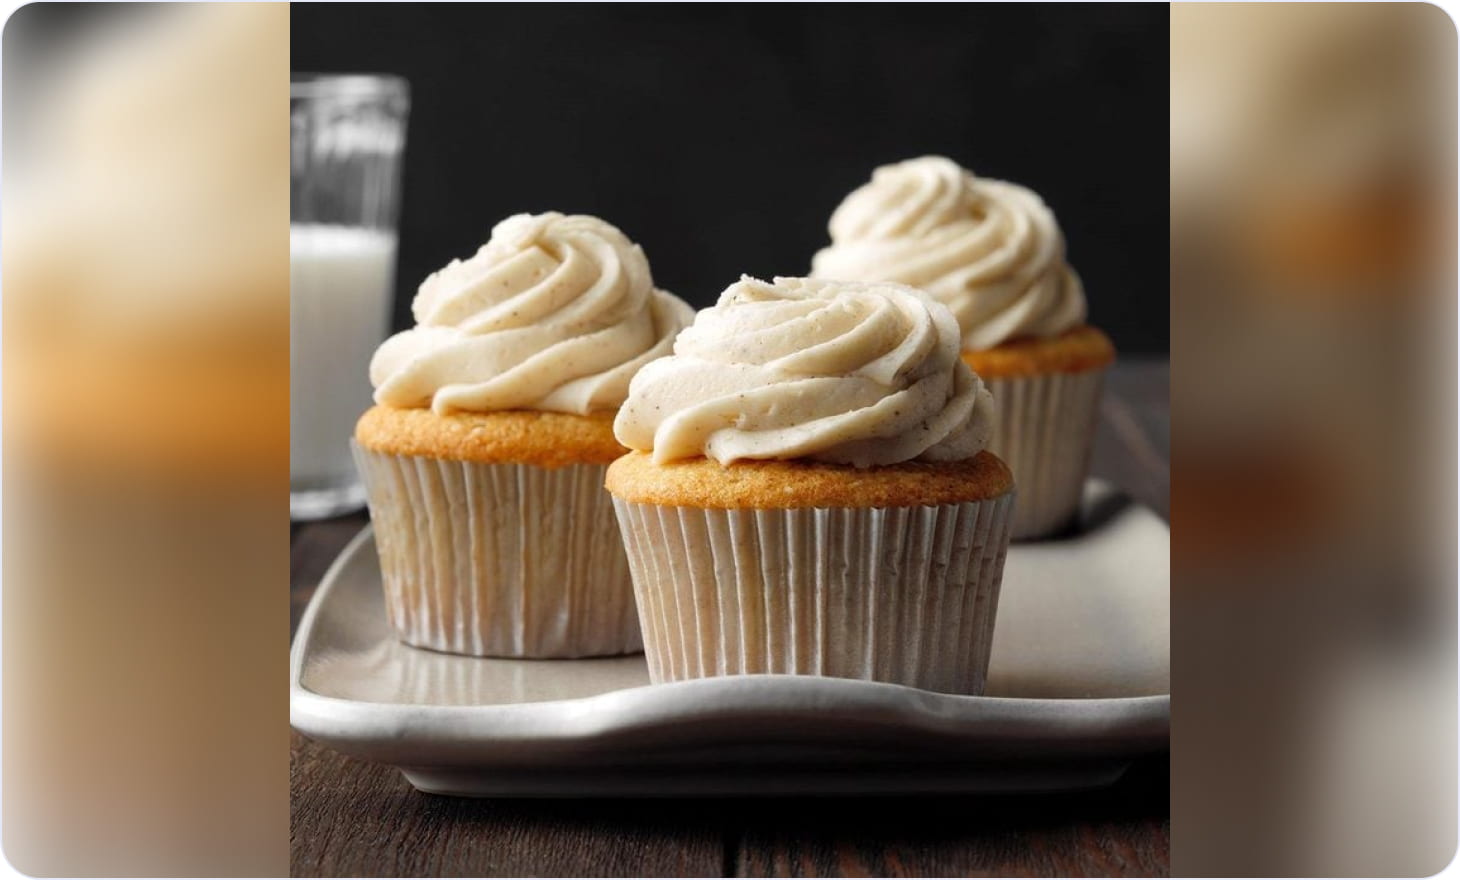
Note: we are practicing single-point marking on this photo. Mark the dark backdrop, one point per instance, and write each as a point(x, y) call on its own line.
point(720, 137)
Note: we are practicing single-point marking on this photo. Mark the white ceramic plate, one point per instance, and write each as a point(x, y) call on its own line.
point(1079, 685)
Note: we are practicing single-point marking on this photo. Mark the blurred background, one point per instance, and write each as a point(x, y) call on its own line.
point(1313, 297)
point(146, 433)
point(721, 137)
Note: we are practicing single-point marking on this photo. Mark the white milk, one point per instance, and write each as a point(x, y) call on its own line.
point(340, 282)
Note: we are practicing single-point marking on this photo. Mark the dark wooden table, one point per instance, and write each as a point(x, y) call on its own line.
point(352, 818)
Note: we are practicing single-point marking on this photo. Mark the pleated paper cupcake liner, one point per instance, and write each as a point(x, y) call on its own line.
point(1045, 430)
point(500, 560)
point(905, 595)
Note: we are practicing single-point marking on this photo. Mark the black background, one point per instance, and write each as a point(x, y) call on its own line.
point(720, 137)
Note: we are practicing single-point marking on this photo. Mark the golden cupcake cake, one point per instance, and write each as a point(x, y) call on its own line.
point(992, 252)
point(485, 454)
point(808, 491)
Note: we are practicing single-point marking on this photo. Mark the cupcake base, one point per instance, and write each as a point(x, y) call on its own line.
point(1045, 431)
point(1047, 395)
point(906, 595)
point(492, 557)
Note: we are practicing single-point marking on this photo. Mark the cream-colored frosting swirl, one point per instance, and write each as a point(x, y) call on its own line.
point(848, 372)
point(553, 313)
point(989, 250)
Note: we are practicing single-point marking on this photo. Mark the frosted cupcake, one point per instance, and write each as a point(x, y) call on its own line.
point(808, 491)
point(484, 457)
point(991, 252)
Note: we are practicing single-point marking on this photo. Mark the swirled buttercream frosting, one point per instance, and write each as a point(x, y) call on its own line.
point(990, 251)
point(553, 313)
point(857, 373)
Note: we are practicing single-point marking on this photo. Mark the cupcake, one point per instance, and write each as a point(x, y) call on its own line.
point(484, 456)
point(808, 491)
point(993, 254)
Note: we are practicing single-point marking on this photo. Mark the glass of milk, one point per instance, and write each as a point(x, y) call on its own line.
point(346, 137)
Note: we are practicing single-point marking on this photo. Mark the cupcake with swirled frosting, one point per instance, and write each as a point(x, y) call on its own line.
point(484, 456)
point(809, 492)
point(992, 252)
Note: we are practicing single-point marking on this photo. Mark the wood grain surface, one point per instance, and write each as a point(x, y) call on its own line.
point(353, 818)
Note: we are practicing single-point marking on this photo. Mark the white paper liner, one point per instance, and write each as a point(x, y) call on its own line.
point(500, 560)
point(905, 595)
point(1044, 433)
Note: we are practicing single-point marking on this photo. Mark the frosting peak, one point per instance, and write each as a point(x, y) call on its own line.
point(847, 372)
point(554, 313)
point(990, 251)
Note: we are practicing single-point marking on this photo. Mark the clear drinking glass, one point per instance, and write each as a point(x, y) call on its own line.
point(347, 133)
